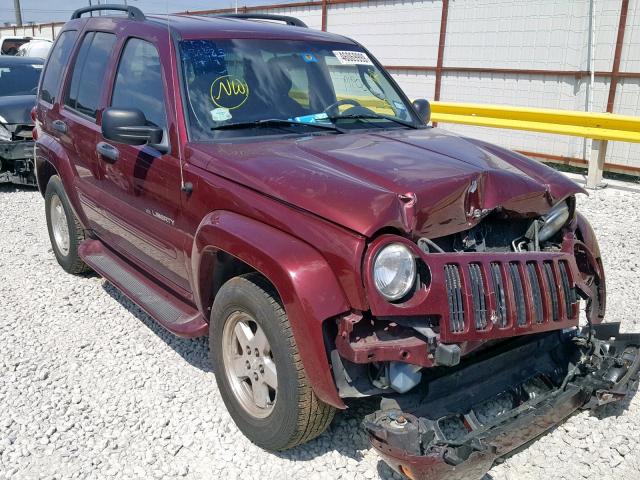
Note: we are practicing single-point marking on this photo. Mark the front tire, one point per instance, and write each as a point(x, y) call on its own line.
point(65, 231)
point(258, 367)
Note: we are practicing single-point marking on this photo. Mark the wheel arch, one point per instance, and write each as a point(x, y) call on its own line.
point(44, 172)
point(309, 291)
point(51, 159)
point(586, 234)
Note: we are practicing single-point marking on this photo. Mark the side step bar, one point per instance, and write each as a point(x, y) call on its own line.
point(168, 310)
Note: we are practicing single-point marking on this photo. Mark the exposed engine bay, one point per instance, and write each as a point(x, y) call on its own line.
point(501, 232)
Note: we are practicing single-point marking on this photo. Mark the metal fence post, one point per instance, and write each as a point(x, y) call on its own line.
point(596, 164)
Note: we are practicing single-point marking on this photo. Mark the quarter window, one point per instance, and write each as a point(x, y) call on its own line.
point(58, 59)
point(139, 82)
point(89, 72)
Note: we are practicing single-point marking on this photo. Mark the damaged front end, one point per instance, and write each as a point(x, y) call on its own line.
point(17, 154)
point(458, 421)
point(481, 351)
point(506, 276)
point(17, 124)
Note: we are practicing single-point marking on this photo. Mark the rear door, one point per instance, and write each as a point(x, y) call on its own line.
point(48, 105)
point(77, 125)
point(140, 189)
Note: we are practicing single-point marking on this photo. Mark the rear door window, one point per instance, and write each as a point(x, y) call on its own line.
point(139, 82)
point(58, 59)
point(89, 72)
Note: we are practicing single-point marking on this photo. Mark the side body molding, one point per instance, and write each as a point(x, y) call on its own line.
point(306, 284)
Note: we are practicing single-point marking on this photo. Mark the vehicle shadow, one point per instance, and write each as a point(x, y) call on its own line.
point(13, 187)
point(345, 435)
point(194, 350)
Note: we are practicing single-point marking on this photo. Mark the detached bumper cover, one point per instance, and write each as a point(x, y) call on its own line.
point(463, 420)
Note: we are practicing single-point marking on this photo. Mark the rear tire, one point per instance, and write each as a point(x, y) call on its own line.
point(65, 232)
point(290, 414)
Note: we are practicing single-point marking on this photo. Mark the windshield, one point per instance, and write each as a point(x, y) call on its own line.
point(19, 79)
point(249, 87)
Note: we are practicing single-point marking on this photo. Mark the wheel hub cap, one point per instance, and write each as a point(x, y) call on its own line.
point(249, 365)
point(59, 225)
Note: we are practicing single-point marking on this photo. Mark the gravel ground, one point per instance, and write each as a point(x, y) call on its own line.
point(91, 387)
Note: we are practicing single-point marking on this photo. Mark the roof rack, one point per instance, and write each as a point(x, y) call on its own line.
point(293, 21)
point(133, 13)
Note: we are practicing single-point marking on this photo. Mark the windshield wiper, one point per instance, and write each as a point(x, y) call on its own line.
point(274, 122)
point(373, 116)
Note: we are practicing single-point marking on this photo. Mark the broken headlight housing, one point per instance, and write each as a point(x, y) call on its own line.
point(557, 218)
point(394, 271)
point(5, 135)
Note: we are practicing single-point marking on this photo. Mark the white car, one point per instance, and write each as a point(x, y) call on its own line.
point(9, 45)
point(35, 48)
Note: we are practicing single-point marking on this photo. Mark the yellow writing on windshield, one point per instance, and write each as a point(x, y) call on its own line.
point(229, 92)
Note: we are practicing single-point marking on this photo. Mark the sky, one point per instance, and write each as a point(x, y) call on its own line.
point(45, 11)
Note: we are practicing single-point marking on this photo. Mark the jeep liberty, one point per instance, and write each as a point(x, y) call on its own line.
point(269, 185)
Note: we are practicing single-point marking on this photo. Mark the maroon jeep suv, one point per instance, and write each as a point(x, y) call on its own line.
point(268, 185)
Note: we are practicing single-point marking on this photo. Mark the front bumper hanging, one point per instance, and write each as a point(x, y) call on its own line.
point(463, 418)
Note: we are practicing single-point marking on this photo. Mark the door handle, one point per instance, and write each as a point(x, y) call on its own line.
point(60, 126)
point(109, 152)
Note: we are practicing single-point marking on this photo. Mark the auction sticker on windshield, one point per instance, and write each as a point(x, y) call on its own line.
point(346, 57)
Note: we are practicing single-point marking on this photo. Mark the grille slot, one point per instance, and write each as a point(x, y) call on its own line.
point(479, 302)
point(454, 295)
point(569, 293)
point(553, 291)
point(518, 294)
point(536, 293)
point(498, 292)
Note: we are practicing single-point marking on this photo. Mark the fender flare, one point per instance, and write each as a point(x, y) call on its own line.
point(50, 151)
point(307, 286)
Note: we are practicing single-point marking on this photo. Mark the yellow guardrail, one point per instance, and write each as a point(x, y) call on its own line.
point(598, 126)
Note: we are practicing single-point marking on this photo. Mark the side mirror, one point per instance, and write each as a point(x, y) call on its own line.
point(129, 126)
point(423, 109)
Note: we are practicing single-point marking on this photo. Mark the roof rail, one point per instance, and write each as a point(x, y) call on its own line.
point(134, 13)
point(293, 21)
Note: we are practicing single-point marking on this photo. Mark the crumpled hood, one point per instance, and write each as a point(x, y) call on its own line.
point(426, 182)
point(17, 109)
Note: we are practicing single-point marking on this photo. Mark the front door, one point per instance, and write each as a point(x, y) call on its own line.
point(140, 187)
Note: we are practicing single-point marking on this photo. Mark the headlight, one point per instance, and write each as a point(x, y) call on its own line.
point(554, 221)
point(394, 271)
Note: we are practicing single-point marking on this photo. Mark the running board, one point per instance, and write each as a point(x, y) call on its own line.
point(165, 308)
